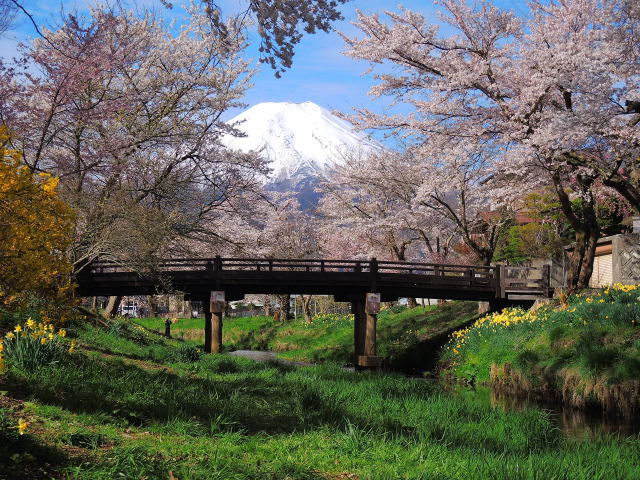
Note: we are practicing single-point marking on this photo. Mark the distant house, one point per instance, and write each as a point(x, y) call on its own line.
point(617, 259)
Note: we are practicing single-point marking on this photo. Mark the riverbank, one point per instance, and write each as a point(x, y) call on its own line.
point(128, 403)
point(405, 336)
point(584, 352)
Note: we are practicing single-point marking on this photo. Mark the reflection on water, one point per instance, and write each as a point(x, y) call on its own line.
point(574, 423)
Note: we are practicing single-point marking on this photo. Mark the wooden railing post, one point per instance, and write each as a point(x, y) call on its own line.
point(546, 280)
point(497, 280)
point(271, 265)
point(217, 266)
point(322, 265)
point(373, 272)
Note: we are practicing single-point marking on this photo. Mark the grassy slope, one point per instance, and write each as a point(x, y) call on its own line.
point(104, 413)
point(329, 337)
point(586, 352)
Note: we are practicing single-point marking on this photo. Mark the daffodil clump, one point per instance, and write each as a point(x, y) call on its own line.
point(332, 319)
point(33, 344)
point(576, 327)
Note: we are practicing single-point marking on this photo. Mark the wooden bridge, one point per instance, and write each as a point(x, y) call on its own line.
point(211, 279)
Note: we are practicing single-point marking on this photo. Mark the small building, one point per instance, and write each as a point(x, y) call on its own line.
point(617, 259)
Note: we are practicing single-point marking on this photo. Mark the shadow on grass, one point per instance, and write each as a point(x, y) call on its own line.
point(26, 458)
point(125, 392)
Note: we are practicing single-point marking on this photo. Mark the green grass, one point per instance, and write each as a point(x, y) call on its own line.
point(105, 416)
point(586, 352)
point(329, 338)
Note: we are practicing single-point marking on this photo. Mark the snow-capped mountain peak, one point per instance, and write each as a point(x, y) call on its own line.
point(299, 139)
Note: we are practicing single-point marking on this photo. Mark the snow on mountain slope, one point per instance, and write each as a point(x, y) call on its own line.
point(300, 140)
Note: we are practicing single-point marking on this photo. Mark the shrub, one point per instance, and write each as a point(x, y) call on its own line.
point(33, 345)
point(396, 308)
point(9, 432)
point(332, 319)
point(125, 329)
point(187, 353)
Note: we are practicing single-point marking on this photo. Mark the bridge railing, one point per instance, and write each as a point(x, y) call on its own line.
point(304, 265)
point(507, 281)
point(515, 282)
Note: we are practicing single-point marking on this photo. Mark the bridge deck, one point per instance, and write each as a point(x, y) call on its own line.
point(344, 279)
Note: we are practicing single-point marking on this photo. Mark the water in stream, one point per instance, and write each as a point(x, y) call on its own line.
point(573, 423)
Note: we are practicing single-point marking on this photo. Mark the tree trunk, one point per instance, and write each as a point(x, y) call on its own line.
point(585, 224)
point(153, 306)
point(411, 302)
point(581, 261)
point(285, 307)
point(268, 308)
point(306, 307)
point(112, 306)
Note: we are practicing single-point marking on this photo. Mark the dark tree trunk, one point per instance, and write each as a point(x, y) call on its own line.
point(112, 306)
point(268, 307)
point(581, 260)
point(587, 231)
point(306, 307)
point(285, 307)
point(153, 306)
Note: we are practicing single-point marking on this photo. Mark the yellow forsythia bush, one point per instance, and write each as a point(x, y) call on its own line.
point(35, 232)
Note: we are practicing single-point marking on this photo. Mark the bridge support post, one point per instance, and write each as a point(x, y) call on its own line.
point(365, 312)
point(359, 331)
point(213, 310)
point(216, 340)
point(208, 325)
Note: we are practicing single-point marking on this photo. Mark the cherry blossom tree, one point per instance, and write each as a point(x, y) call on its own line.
point(369, 197)
point(128, 114)
point(552, 96)
point(281, 24)
point(285, 231)
point(8, 12)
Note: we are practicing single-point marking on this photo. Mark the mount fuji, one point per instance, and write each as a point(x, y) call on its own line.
point(301, 141)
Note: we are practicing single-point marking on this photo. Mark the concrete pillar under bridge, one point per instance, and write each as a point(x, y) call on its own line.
point(365, 310)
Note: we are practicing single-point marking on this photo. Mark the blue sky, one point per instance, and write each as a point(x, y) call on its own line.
point(320, 72)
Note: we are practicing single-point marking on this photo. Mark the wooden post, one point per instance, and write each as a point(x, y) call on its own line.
point(167, 328)
point(497, 280)
point(208, 325)
point(359, 331)
point(216, 306)
point(370, 335)
point(373, 275)
point(216, 344)
point(366, 315)
point(546, 280)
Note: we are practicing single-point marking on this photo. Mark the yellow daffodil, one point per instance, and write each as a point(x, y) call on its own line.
point(10, 335)
point(62, 332)
point(30, 323)
point(22, 426)
point(18, 329)
point(43, 340)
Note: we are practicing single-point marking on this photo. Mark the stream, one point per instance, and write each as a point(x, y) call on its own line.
point(572, 422)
